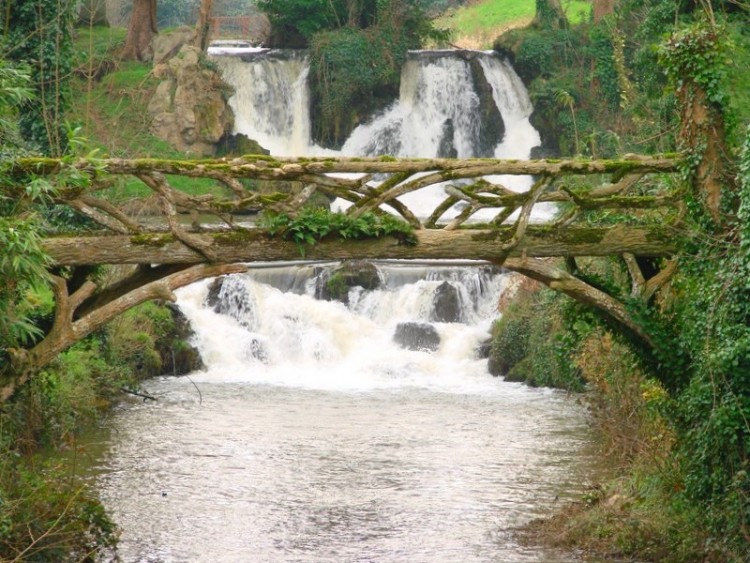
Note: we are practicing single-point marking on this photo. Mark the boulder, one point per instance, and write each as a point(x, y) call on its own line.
point(446, 304)
point(334, 285)
point(417, 336)
point(228, 295)
point(189, 107)
point(178, 356)
point(491, 124)
point(167, 45)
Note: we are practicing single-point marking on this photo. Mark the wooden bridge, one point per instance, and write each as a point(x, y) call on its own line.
point(183, 220)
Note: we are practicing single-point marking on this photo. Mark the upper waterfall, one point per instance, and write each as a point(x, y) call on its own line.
point(452, 104)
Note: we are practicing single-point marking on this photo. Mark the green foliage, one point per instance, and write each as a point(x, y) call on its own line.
point(530, 342)
point(308, 17)
point(38, 33)
point(15, 90)
point(697, 53)
point(314, 224)
point(353, 71)
point(22, 268)
point(46, 515)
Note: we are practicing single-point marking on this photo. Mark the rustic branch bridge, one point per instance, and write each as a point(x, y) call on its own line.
point(183, 220)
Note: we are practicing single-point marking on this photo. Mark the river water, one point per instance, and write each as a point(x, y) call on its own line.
point(313, 437)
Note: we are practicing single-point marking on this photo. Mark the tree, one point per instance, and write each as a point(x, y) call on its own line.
point(37, 34)
point(550, 15)
point(141, 30)
point(203, 27)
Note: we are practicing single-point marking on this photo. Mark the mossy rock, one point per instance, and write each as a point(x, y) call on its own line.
point(334, 285)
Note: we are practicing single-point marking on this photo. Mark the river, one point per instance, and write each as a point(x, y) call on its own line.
point(313, 437)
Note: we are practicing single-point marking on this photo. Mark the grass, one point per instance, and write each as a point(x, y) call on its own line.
point(738, 80)
point(477, 24)
point(110, 103)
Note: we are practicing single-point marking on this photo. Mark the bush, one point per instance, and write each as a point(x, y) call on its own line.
point(529, 343)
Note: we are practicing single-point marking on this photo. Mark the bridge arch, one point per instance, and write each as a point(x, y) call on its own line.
point(190, 233)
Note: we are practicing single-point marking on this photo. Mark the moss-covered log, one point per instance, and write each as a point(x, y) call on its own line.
point(257, 245)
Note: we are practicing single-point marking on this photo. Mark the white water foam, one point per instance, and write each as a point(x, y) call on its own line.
point(272, 337)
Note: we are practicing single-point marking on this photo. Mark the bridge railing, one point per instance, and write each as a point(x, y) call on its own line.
point(138, 196)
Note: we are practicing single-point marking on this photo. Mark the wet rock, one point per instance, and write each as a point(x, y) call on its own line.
point(178, 356)
point(417, 336)
point(446, 304)
point(334, 285)
point(483, 350)
point(228, 295)
point(491, 124)
point(447, 148)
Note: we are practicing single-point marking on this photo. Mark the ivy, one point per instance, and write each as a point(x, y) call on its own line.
point(37, 33)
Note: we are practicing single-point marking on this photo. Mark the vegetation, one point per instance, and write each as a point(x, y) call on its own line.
point(476, 25)
point(314, 224)
point(673, 418)
point(356, 53)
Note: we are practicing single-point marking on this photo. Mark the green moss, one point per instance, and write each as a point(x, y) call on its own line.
point(387, 158)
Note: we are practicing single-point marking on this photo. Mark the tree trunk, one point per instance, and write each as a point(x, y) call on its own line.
point(550, 15)
point(603, 8)
point(253, 245)
point(203, 29)
point(141, 29)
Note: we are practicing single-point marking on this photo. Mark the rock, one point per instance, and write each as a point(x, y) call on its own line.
point(491, 125)
point(417, 336)
point(446, 304)
point(214, 290)
point(189, 108)
point(228, 295)
point(239, 145)
point(483, 350)
point(178, 356)
point(167, 45)
point(334, 285)
point(447, 148)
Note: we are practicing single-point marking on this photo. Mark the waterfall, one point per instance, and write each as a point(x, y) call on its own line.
point(247, 330)
point(271, 97)
point(442, 108)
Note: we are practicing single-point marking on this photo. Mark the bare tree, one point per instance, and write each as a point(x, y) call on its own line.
point(141, 29)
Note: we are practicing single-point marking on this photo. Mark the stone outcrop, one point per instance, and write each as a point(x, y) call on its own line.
point(335, 284)
point(178, 356)
point(417, 336)
point(446, 304)
point(189, 107)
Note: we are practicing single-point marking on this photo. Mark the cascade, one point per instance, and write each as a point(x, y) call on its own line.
point(270, 319)
point(452, 103)
point(442, 109)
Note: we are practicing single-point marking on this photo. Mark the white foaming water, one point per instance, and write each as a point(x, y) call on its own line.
point(271, 99)
point(437, 114)
point(268, 336)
